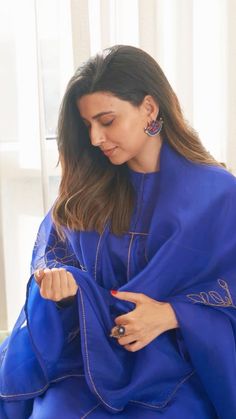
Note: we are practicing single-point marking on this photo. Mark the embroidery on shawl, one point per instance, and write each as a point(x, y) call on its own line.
point(213, 298)
point(57, 252)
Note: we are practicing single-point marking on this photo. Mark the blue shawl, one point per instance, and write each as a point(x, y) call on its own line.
point(192, 265)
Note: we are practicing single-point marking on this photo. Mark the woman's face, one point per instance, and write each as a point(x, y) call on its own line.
point(118, 126)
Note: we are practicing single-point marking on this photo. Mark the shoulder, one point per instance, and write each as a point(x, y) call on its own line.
point(215, 196)
point(190, 178)
point(204, 188)
point(211, 180)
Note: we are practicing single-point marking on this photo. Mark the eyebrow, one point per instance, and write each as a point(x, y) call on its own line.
point(99, 114)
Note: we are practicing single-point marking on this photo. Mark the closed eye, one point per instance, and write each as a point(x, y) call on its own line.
point(106, 124)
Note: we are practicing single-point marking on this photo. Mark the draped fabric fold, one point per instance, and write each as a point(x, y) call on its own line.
point(190, 248)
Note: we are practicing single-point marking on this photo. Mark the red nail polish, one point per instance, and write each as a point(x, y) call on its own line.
point(113, 292)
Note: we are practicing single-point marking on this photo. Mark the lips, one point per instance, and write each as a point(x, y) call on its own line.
point(109, 151)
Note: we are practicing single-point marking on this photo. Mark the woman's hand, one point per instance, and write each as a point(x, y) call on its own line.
point(148, 320)
point(56, 284)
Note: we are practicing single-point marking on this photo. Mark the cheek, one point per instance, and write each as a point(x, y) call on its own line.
point(129, 135)
point(135, 124)
point(137, 135)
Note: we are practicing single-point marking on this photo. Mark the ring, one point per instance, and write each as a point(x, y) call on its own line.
point(119, 332)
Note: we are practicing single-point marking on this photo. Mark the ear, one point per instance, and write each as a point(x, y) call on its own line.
point(150, 107)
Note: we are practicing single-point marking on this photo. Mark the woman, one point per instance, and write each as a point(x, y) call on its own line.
point(130, 309)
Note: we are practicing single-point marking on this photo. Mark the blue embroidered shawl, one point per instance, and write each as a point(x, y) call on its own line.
point(192, 265)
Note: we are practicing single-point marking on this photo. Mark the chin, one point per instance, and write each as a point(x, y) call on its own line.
point(117, 163)
point(118, 160)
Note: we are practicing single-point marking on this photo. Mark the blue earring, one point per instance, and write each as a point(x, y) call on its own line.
point(154, 127)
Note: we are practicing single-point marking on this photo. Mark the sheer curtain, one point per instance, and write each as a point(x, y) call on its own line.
point(42, 42)
point(36, 62)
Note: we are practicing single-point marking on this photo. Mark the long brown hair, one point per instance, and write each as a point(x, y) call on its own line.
point(93, 191)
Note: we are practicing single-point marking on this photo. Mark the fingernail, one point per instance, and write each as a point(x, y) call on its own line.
point(113, 292)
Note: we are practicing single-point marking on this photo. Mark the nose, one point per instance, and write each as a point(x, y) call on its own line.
point(96, 136)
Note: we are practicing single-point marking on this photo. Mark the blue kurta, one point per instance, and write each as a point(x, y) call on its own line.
point(180, 248)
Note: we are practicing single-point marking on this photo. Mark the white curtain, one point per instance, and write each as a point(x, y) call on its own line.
point(42, 42)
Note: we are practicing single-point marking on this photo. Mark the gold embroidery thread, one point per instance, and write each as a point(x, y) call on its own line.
point(213, 298)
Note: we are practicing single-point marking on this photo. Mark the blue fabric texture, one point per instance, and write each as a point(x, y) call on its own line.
point(181, 248)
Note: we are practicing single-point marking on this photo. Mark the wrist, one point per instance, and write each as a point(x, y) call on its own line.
point(171, 320)
point(65, 302)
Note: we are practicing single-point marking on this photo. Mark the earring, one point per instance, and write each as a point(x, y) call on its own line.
point(154, 127)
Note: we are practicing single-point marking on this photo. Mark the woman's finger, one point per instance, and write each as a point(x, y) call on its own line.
point(46, 284)
point(56, 285)
point(128, 332)
point(72, 286)
point(125, 318)
point(133, 297)
point(127, 340)
point(38, 276)
point(135, 346)
point(64, 284)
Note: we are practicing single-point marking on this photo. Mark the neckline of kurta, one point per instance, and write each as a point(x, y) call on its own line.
point(149, 175)
point(141, 174)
